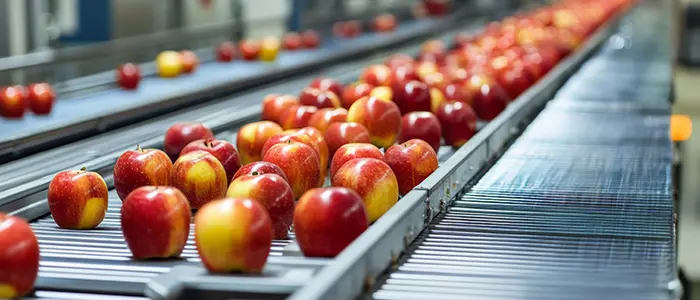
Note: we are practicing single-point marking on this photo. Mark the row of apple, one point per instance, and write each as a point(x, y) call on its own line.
point(16, 100)
point(247, 197)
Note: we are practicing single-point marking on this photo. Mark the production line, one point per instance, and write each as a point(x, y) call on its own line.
point(562, 213)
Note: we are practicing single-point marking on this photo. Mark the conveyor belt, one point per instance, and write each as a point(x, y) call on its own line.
point(580, 206)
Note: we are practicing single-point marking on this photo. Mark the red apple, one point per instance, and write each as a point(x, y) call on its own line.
point(489, 98)
point(328, 84)
point(458, 123)
point(299, 137)
point(318, 98)
point(181, 134)
point(190, 61)
point(327, 116)
point(128, 76)
point(222, 150)
point(514, 80)
point(155, 222)
point(273, 192)
point(233, 235)
point(456, 92)
point(421, 125)
point(373, 180)
point(19, 257)
point(311, 39)
point(399, 60)
point(412, 162)
point(260, 167)
point(299, 162)
point(78, 199)
point(250, 49)
point(437, 98)
point(141, 167)
point(339, 134)
point(291, 41)
point(412, 96)
point(377, 75)
point(297, 116)
point(328, 220)
point(13, 102)
point(41, 98)
point(252, 137)
point(384, 23)
point(274, 105)
point(352, 151)
point(355, 91)
point(226, 51)
point(200, 176)
point(322, 146)
point(381, 118)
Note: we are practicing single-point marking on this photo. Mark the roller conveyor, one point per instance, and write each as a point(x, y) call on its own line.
point(579, 207)
point(554, 218)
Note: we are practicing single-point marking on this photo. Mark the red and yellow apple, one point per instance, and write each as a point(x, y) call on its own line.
point(377, 75)
point(258, 168)
point(250, 49)
point(190, 61)
point(141, 167)
point(382, 93)
point(373, 180)
point(233, 235)
point(274, 105)
point(327, 116)
point(269, 48)
point(339, 134)
point(181, 134)
point(437, 98)
point(355, 91)
point(155, 221)
point(200, 176)
point(297, 116)
point(328, 84)
point(222, 150)
point(252, 137)
point(412, 162)
point(319, 98)
point(352, 151)
point(78, 199)
point(322, 146)
point(273, 192)
point(19, 257)
point(299, 162)
point(381, 118)
point(169, 64)
point(421, 125)
point(328, 220)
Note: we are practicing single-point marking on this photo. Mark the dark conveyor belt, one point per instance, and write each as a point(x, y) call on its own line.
point(580, 206)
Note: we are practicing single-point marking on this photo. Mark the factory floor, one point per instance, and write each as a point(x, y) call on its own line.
point(688, 102)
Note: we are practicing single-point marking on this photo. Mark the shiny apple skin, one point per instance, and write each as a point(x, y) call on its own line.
point(274, 105)
point(128, 76)
point(41, 98)
point(412, 96)
point(181, 134)
point(299, 162)
point(352, 151)
point(421, 125)
point(354, 92)
point(412, 162)
point(328, 84)
point(297, 116)
point(260, 167)
point(141, 167)
point(339, 134)
point(273, 192)
point(19, 257)
point(319, 98)
point(224, 151)
point(13, 102)
point(458, 123)
point(323, 118)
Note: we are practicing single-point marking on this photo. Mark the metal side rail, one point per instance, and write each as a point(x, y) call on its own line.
point(580, 206)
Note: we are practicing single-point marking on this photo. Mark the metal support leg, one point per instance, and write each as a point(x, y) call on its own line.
point(295, 17)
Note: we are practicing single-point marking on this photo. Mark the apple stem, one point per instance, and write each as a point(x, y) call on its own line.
point(208, 143)
point(138, 148)
point(255, 173)
point(83, 169)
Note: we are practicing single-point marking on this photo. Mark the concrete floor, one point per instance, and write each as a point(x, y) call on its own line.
point(688, 102)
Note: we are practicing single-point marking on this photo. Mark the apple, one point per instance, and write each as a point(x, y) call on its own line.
point(328, 84)
point(373, 180)
point(128, 76)
point(273, 192)
point(339, 134)
point(250, 49)
point(463, 39)
point(455, 92)
point(322, 146)
point(299, 162)
point(377, 75)
point(297, 116)
point(381, 118)
point(458, 123)
point(226, 51)
point(355, 91)
point(319, 98)
point(327, 116)
point(200, 176)
point(222, 150)
point(437, 98)
point(41, 98)
point(399, 60)
point(19, 257)
point(292, 41)
point(353, 28)
point(425, 68)
point(274, 105)
point(141, 167)
point(269, 48)
point(352, 151)
point(434, 46)
point(252, 137)
point(384, 23)
point(436, 80)
point(514, 81)
point(412, 96)
point(190, 61)
point(421, 125)
point(298, 136)
point(169, 64)
point(13, 102)
point(155, 221)
point(181, 134)
point(78, 199)
point(382, 93)
point(489, 98)
point(258, 168)
point(233, 234)
point(328, 220)
point(412, 162)
point(310, 39)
